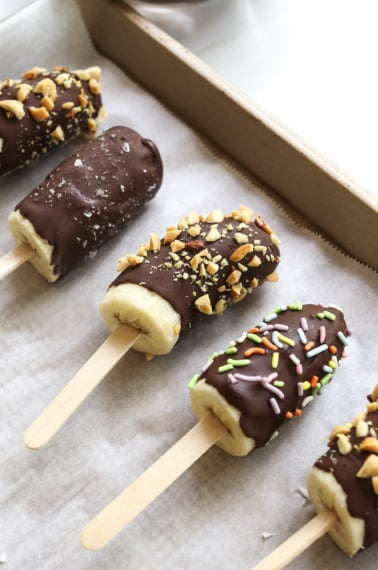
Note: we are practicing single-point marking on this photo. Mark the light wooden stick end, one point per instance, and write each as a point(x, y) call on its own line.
point(10, 261)
point(298, 542)
point(78, 389)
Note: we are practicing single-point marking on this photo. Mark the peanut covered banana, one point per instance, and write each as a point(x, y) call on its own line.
point(270, 374)
point(199, 268)
point(44, 109)
point(87, 199)
point(345, 480)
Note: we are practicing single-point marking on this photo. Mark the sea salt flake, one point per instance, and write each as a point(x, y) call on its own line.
point(78, 162)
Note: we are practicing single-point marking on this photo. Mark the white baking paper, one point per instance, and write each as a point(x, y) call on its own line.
point(224, 512)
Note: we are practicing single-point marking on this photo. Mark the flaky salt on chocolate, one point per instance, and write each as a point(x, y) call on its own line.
point(87, 199)
point(45, 109)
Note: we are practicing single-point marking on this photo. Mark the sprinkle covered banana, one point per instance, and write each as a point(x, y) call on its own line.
point(270, 374)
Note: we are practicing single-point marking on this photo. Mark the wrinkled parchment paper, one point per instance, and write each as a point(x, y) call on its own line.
point(216, 515)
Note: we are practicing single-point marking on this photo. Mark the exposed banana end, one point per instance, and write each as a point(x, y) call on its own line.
point(143, 309)
point(205, 399)
point(326, 493)
point(23, 232)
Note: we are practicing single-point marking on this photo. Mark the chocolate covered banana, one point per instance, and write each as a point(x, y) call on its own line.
point(87, 199)
point(44, 109)
point(200, 267)
point(268, 375)
point(345, 480)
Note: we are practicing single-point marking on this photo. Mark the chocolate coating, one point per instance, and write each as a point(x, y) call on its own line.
point(43, 110)
point(92, 194)
point(175, 275)
point(290, 380)
point(362, 501)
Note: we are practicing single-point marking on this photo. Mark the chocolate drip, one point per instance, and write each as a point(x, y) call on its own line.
point(92, 194)
point(44, 110)
point(177, 278)
point(362, 501)
point(270, 374)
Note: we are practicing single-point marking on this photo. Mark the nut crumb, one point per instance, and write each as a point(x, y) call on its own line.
point(13, 107)
point(267, 535)
point(39, 113)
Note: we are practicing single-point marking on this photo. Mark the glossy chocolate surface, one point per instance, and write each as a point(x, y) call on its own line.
point(92, 194)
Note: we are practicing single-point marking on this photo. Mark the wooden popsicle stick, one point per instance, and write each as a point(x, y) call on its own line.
point(13, 259)
point(135, 498)
point(81, 385)
point(298, 542)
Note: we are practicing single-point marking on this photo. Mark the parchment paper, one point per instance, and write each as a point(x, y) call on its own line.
point(216, 514)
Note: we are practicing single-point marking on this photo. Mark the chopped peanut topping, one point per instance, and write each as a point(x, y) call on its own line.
point(23, 90)
point(273, 277)
point(374, 394)
point(94, 86)
point(92, 126)
point(214, 217)
point(369, 468)
point(362, 429)
point(374, 481)
point(234, 277)
point(213, 235)
point(58, 133)
point(241, 252)
point(172, 234)
point(177, 245)
point(339, 429)
point(212, 268)
point(343, 444)
point(255, 261)
point(13, 108)
point(244, 214)
point(154, 242)
point(83, 100)
point(220, 306)
point(192, 218)
point(203, 304)
point(240, 238)
point(143, 249)
point(34, 72)
point(369, 444)
point(47, 103)
point(47, 88)
point(129, 260)
point(358, 417)
point(39, 113)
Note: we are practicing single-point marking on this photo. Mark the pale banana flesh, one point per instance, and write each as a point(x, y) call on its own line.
point(205, 399)
point(23, 232)
point(326, 493)
point(153, 316)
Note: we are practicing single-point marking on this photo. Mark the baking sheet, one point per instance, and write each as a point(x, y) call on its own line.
point(217, 512)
